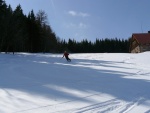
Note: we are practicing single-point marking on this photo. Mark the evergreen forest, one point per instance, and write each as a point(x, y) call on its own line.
point(32, 33)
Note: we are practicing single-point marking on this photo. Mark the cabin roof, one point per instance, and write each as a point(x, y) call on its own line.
point(142, 38)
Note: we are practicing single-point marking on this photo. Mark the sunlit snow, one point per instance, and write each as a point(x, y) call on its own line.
point(91, 83)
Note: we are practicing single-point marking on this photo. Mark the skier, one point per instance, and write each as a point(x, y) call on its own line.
point(66, 56)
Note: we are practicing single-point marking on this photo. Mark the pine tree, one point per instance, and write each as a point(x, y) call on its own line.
point(16, 31)
point(3, 21)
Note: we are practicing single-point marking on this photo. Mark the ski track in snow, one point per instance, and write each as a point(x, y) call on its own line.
point(106, 105)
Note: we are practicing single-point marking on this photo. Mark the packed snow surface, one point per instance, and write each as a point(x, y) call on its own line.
point(90, 83)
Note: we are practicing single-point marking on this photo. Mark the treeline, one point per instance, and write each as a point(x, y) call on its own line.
point(21, 33)
point(99, 46)
point(32, 33)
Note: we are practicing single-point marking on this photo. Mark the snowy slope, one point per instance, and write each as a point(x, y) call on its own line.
point(91, 83)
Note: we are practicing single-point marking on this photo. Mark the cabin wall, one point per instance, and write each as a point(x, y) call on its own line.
point(134, 46)
point(136, 50)
point(145, 47)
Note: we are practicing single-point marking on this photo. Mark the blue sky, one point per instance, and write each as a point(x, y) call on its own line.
point(91, 19)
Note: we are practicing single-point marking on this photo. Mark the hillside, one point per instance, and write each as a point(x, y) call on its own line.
point(91, 83)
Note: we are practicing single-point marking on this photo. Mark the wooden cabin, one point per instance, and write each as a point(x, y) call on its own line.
point(140, 42)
